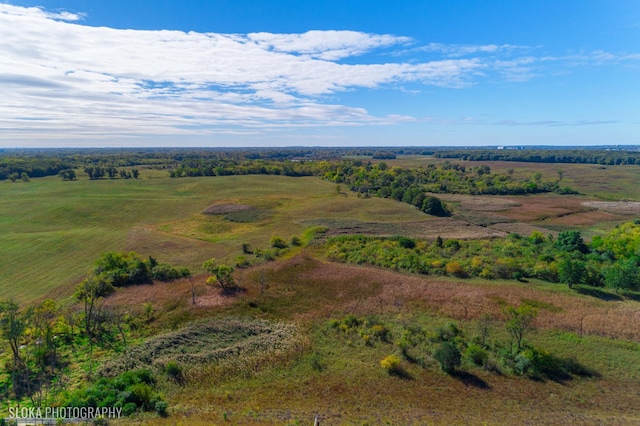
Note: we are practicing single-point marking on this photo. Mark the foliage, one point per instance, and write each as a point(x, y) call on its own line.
point(277, 242)
point(622, 274)
point(67, 174)
point(581, 156)
point(391, 363)
point(448, 356)
point(122, 269)
point(132, 391)
point(476, 355)
point(567, 259)
point(572, 271)
point(221, 274)
point(570, 241)
point(519, 322)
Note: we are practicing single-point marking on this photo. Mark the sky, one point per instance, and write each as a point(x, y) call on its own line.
point(232, 73)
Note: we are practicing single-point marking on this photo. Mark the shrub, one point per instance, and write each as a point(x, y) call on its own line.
point(476, 355)
point(381, 332)
point(174, 371)
point(448, 332)
point(296, 241)
point(454, 268)
point(391, 364)
point(407, 243)
point(277, 242)
point(448, 356)
point(161, 408)
point(164, 272)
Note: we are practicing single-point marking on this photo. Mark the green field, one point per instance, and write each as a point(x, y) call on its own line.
point(52, 232)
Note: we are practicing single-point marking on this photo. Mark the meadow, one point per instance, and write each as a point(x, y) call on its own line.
point(53, 231)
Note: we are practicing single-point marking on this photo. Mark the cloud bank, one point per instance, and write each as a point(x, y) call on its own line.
point(60, 78)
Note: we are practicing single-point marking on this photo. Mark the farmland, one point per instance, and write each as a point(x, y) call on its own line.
point(53, 231)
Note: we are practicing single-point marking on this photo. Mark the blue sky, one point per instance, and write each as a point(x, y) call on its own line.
point(85, 73)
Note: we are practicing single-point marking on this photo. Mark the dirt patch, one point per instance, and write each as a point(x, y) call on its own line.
point(616, 207)
point(227, 208)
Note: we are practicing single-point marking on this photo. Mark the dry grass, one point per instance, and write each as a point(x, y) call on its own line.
point(428, 229)
point(388, 292)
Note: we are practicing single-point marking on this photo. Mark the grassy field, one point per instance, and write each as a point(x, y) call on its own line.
point(51, 232)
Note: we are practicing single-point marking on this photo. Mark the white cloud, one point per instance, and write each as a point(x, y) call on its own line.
point(59, 77)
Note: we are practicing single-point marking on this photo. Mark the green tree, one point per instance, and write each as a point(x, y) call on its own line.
point(67, 174)
point(623, 274)
point(435, 207)
point(220, 274)
point(570, 241)
point(12, 329)
point(90, 291)
point(571, 271)
point(448, 356)
point(25, 177)
point(519, 322)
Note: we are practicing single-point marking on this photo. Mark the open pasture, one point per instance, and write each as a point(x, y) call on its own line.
point(51, 231)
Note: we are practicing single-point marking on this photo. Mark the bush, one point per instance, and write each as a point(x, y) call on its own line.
point(454, 268)
point(448, 356)
point(476, 355)
point(391, 364)
point(174, 371)
point(277, 242)
point(296, 241)
point(164, 272)
point(448, 332)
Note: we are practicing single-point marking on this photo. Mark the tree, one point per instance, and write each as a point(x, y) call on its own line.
point(12, 329)
point(571, 271)
point(570, 241)
point(519, 322)
point(89, 292)
point(135, 173)
point(25, 177)
point(448, 356)
point(220, 274)
point(435, 207)
point(112, 172)
point(67, 174)
point(622, 274)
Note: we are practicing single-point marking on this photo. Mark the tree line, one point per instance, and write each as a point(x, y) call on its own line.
point(580, 156)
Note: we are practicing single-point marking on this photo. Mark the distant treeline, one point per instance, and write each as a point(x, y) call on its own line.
point(50, 162)
point(219, 161)
point(33, 166)
point(604, 157)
